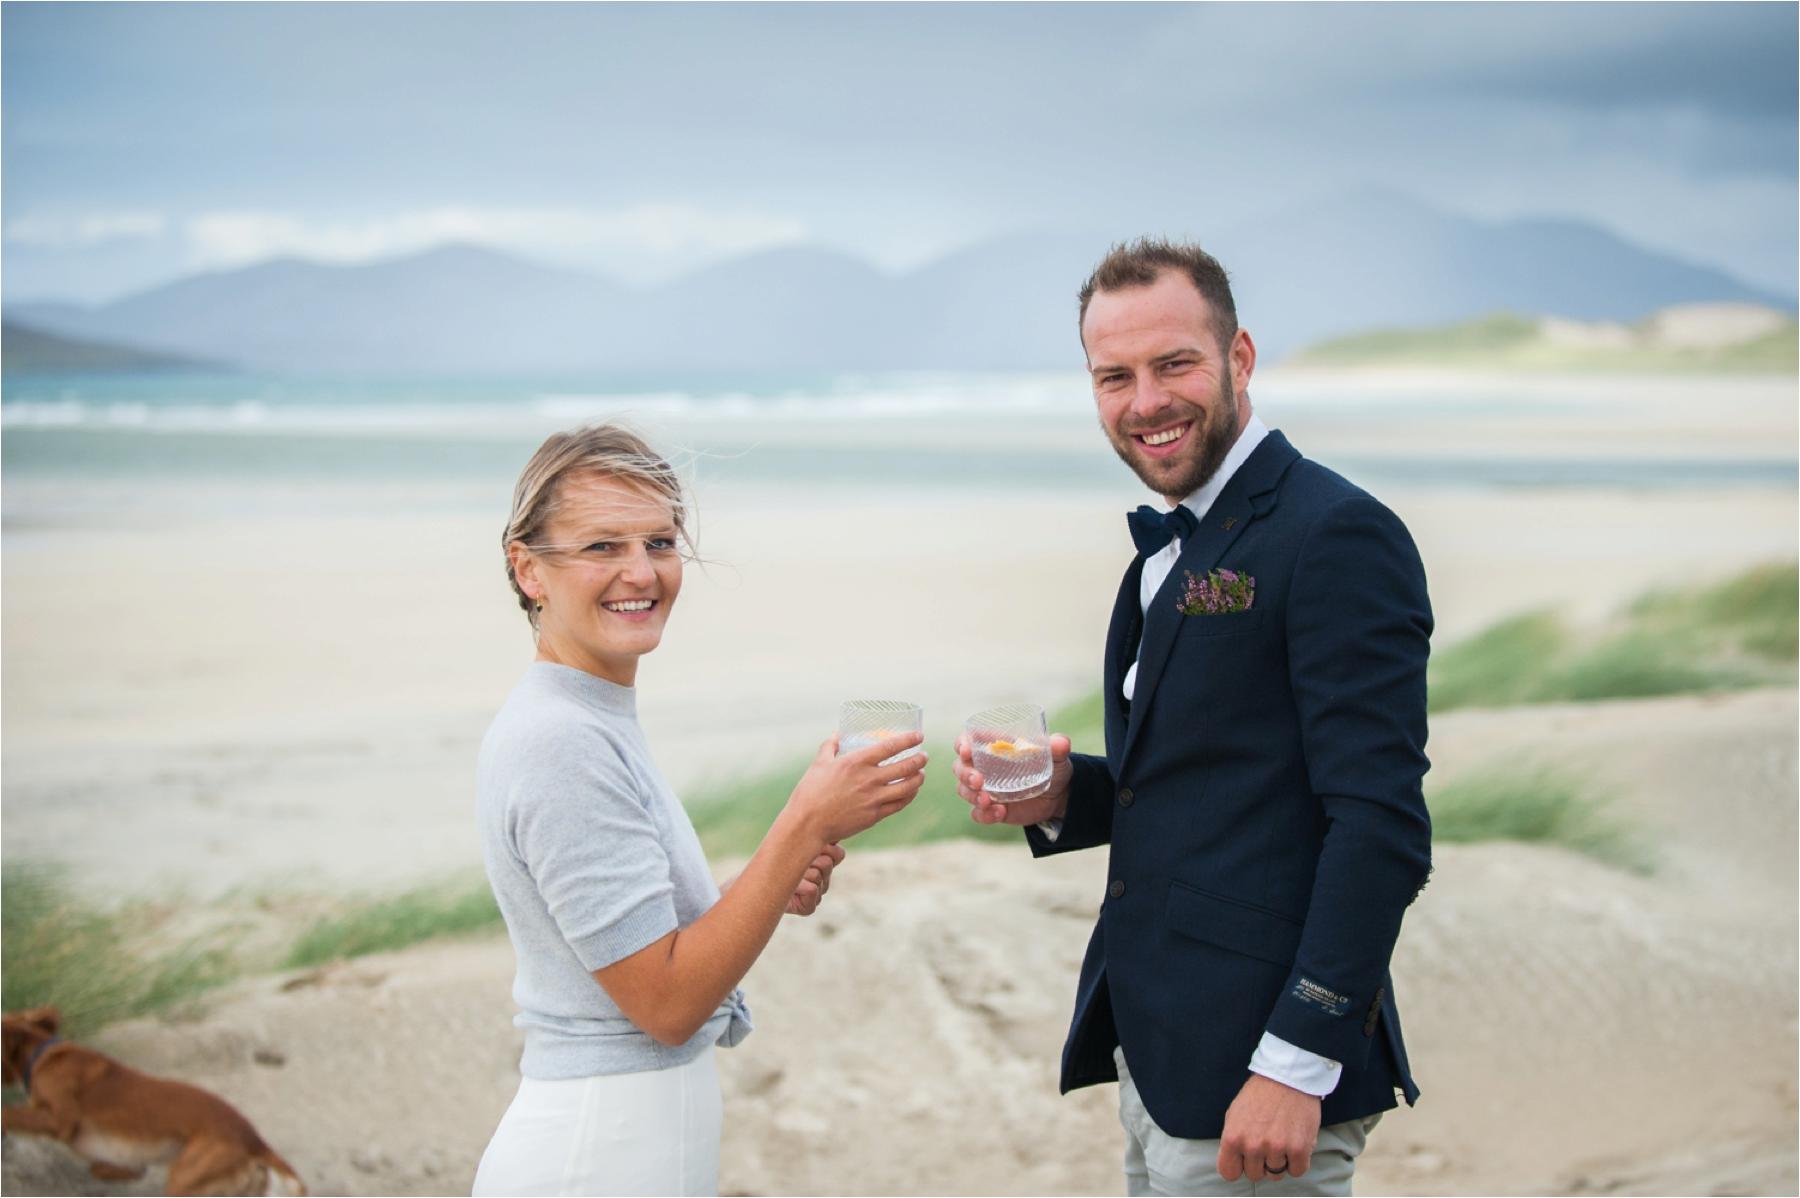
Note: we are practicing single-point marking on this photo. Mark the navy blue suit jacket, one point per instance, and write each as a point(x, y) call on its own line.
point(1261, 794)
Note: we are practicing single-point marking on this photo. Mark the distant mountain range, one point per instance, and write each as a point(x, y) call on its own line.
point(24, 350)
point(1301, 276)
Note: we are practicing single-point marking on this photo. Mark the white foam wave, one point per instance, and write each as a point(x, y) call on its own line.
point(849, 400)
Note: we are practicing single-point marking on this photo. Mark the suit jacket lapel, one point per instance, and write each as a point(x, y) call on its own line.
point(1121, 643)
point(1249, 495)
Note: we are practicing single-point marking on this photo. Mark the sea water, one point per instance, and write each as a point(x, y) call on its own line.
point(142, 439)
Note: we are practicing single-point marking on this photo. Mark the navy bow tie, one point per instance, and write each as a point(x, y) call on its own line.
point(1151, 529)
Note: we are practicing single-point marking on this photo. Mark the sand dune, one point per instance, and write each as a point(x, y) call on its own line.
point(1575, 1028)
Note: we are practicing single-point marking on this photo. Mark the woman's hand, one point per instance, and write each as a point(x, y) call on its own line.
point(815, 882)
point(838, 797)
point(672, 987)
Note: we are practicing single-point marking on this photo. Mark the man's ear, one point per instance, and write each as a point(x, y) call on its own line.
point(1243, 359)
point(1243, 365)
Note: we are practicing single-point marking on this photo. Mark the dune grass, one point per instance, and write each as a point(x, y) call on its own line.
point(1482, 339)
point(732, 817)
point(1533, 804)
point(93, 965)
point(1734, 634)
point(380, 924)
point(1502, 664)
point(1753, 612)
point(98, 966)
point(1506, 341)
point(1740, 632)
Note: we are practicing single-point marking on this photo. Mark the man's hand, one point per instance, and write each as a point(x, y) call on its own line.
point(984, 810)
point(1268, 1124)
point(815, 882)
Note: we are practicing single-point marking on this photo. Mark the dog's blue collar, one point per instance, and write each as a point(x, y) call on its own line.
point(32, 1060)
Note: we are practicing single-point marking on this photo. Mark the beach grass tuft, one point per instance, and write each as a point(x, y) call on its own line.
point(1639, 664)
point(382, 924)
point(1506, 341)
point(1533, 804)
point(1737, 633)
point(1500, 665)
point(1754, 613)
point(732, 817)
point(94, 966)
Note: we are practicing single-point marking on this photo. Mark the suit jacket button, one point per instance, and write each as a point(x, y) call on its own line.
point(1117, 888)
point(1125, 796)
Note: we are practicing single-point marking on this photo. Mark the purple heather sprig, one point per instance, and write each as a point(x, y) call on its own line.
point(1221, 591)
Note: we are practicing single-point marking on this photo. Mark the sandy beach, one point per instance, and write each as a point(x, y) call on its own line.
point(263, 734)
point(1575, 1029)
point(212, 703)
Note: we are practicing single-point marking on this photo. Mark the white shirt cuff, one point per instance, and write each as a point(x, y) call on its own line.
point(1051, 828)
point(1307, 1072)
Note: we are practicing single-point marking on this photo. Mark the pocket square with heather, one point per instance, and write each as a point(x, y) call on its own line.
point(1219, 593)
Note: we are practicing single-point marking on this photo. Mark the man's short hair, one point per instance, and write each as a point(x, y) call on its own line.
point(1139, 263)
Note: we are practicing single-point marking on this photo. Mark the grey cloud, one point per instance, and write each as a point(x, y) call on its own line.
point(1736, 60)
point(901, 130)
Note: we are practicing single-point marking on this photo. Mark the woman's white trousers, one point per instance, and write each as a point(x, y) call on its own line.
point(625, 1133)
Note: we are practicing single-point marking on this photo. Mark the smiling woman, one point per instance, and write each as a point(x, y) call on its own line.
point(605, 575)
point(628, 955)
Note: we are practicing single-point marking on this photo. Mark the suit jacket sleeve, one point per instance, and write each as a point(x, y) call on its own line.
point(1358, 630)
point(1088, 821)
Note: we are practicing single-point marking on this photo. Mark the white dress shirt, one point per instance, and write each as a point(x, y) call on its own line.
point(1158, 564)
point(1274, 1057)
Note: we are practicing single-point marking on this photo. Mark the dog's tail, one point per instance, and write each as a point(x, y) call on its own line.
point(282, 1181)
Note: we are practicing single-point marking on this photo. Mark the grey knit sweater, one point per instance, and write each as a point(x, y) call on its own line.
point(591, 858)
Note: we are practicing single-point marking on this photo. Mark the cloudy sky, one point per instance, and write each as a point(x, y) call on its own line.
point(145, 141)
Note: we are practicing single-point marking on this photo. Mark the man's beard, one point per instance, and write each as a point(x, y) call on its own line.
point(1217, 433)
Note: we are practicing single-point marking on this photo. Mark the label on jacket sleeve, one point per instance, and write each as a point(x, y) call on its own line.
point(1327, 1000)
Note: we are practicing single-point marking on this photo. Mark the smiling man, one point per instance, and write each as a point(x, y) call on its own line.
point(1264, 696)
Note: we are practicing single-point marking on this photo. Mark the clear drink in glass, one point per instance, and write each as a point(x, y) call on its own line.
point(865, 722)
point(1010, 745)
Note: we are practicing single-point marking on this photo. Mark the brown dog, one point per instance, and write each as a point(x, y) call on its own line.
point(124, 1121)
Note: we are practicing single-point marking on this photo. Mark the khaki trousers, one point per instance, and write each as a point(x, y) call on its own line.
point(1159, 1163)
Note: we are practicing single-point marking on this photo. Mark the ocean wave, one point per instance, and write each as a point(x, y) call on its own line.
point(249, 416)
point(346, 411)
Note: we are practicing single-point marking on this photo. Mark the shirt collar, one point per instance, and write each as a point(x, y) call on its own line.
point(589, 689)
point(1201, 501)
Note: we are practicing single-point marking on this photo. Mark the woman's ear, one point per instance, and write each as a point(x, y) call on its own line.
point(524, 568)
